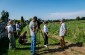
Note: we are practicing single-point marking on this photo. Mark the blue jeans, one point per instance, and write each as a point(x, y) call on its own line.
point(33, 44)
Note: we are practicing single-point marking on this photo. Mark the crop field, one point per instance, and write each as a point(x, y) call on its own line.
point(75, 30)
point(75, 40)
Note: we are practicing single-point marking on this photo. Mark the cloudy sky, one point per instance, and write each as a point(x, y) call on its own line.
point(45, 9)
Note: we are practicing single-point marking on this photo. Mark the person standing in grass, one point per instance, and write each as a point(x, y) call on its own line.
point(32, 27)
point(18, 29)
point(62, 33)
point(45, 34)
point(11, 37)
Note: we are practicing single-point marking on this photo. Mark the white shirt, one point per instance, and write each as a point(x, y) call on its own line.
point(62, 29)
point(45, 28)
point(17, 27)
point(31, 26)
point(9, 28)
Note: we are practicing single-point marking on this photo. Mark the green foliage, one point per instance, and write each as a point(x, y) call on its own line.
point(0, 20)
point(22, 19)
point(75, 30)
point(30, 19)
point(78, 18)
point(23, 23)
point(4, 15)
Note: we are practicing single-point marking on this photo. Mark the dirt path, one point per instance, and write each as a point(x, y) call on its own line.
point(71, 49)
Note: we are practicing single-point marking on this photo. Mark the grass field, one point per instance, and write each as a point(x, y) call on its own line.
point(75, 34)
point(25, 49)
point(75, 30)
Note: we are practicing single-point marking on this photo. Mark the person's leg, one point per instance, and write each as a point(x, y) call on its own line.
point(9, 36)
point(61, 41)
point(13, 41)
point(44, 39)
point(47, 40)
point(34, 45)
point(31, 44)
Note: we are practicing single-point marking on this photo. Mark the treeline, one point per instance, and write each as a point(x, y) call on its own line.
point(77, 18)
point(23, 22)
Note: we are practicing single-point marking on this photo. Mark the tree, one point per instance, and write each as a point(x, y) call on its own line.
point(5, 16)
point(22, 19)
point(78, 18)
point(30, 19)
point(83, 18)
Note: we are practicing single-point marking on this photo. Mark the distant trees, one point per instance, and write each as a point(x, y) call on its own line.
point(83, 18)
point(4, 15)
point(78, 18)
point(23, 23)
point(30, 19)
point(22, 19)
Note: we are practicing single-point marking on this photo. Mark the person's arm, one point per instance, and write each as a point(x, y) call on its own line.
point(33, 28)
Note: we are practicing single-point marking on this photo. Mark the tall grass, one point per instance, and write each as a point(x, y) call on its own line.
point(75, 30)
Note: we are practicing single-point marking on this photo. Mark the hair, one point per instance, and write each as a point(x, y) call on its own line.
point(25, 32)
point(9, 22)
point(45, 22)
point(35, 18)
point(62, 20)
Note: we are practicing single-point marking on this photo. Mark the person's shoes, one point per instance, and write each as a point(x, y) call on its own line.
point(61, 48)
point(35, 54)
point(45, 46)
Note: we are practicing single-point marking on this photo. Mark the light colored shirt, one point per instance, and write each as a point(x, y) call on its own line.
point(31, 26)
point(45, 29)
point(9, 28)
point(17, 27)
point(62, 29)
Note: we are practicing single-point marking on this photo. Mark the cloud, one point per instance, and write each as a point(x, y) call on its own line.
point(67, 15)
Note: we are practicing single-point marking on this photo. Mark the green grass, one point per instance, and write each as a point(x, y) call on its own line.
point(25, 49)
point(0, 20)
point(75, 33)
point(75, 30)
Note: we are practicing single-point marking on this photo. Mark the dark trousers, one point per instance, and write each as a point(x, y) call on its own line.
point(45, 39)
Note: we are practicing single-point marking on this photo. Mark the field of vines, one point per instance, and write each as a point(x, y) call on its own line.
point(75, 30)
point(75, 34)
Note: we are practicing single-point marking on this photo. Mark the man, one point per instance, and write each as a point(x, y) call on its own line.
point(12, 43)
point(62, 33)
point(45, 34)
point(32, 27)
point(18, 29)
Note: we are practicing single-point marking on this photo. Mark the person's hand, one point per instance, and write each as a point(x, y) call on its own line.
point(65, 34)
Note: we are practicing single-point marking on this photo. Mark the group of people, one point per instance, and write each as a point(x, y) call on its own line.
point(33, 30)
point(34, 25)
point(13, 30)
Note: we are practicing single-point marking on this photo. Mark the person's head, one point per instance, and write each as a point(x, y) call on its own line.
point(62, 21)
point(17, 22)
point(46, 22)
point(34, 19)
point(25, 32)
point(10, 22)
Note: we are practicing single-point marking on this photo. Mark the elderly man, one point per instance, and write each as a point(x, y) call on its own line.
point(11, 35)
point(62, 33)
